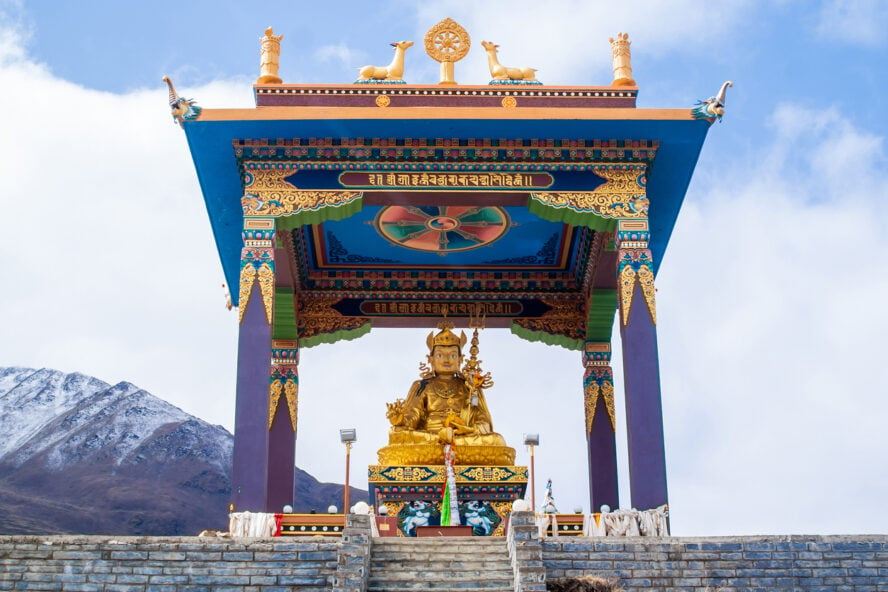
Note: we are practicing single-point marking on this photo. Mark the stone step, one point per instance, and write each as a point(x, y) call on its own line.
point(416, 555)
point(448, 563)
point(479, 540)
point(443, 587)
point(439, 585)
point(401, 574)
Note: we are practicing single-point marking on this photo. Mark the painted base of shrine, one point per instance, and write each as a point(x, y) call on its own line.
point(411, 496)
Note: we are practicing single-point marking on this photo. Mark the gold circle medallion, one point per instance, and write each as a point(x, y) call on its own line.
point(509, 102)
point(382, 100)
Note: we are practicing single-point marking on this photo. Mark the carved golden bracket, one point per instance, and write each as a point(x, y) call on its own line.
point(622, 195)
point(593, 392)
point(267, 193)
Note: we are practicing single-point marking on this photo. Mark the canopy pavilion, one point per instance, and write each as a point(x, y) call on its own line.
point(337, 208)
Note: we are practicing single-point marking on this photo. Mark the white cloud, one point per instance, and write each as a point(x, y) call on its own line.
point(856, 22)
point(567, 41)
point(347, 56)
point(772, 308)
point(770, 301)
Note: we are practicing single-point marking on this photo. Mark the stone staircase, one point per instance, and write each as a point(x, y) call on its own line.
point(440, 564)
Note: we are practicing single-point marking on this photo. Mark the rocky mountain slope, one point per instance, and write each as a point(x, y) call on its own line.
point(78, 455)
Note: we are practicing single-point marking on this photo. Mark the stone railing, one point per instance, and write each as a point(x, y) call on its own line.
point(353, 565)
point(525, 551)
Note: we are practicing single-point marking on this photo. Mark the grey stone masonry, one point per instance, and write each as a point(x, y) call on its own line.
point(676, 564)
point(726, 564)
point(353, 564)
point(440, 564)
point(166, 564)
point(525, 551)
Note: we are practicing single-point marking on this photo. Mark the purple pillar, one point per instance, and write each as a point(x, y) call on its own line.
point(598, 392)
point(281, 460)
point(602, 448)
point(249, 482)
point(644, 410)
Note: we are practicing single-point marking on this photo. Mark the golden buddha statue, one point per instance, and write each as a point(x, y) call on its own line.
point(446, 406)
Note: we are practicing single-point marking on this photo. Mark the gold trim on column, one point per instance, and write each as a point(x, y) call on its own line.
point(627, 289)
point(646, 280)
point(266, 286)
point(291, 391)
point(591, 393)
point(274, 395)
point(247, 278)
point(607, 392)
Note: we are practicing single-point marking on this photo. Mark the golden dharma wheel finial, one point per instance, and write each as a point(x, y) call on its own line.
point(270, 60)
point(447, 42)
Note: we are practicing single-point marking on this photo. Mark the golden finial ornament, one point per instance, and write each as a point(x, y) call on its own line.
point(622, 60)
point(500, 72)
point(394, 72)
point(447, 42)
point(270, 60)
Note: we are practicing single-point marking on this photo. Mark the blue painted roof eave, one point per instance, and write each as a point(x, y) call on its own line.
point(210, 142)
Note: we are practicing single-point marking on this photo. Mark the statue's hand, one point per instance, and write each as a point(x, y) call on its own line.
point(458, 426)
point(395, 412)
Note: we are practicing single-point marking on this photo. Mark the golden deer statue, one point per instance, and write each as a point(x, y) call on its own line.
point(500, 72)
point(394, 71)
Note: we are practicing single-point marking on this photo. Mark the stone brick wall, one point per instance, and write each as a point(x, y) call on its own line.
point(726, 564)
point(166, 564)
point(186, 564)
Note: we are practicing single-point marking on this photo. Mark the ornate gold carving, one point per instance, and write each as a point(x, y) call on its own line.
point(510, 102)
point(266, 285)
point(607, 392)
point(274, 395)
point(270, 60)
point(267, 193)
point(383, 100)
point(291, 391)
point(247, 277)
point(622, 59)
point(593, 392)
point(620, 196)
point(447, 42)
point(627, 289)
point(435, 473)
point(317, 316)
point(590, 402)
point(565, 317)
point(646, 280)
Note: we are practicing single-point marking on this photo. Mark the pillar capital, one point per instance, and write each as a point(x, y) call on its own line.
point(284, 379)
point(257, 265)
point(598, 383)
point(635, 265)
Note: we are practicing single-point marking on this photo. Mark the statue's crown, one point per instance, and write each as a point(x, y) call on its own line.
point(445, 336)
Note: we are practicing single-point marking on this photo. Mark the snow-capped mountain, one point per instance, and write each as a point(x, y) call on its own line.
point(115, 458)
point(78, 455)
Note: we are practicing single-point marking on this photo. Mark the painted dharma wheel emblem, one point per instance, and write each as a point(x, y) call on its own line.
point(442, 229)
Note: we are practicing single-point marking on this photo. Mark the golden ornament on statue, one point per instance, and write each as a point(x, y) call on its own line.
point(446, 406)
point(447, 42)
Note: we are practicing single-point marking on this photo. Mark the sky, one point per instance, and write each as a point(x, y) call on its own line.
point(771, 295)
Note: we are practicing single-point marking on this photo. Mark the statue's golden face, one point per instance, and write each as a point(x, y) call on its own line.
point(445, 359)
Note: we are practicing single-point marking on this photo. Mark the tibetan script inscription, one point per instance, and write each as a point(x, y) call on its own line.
point(447, 180)
point(505, 308)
